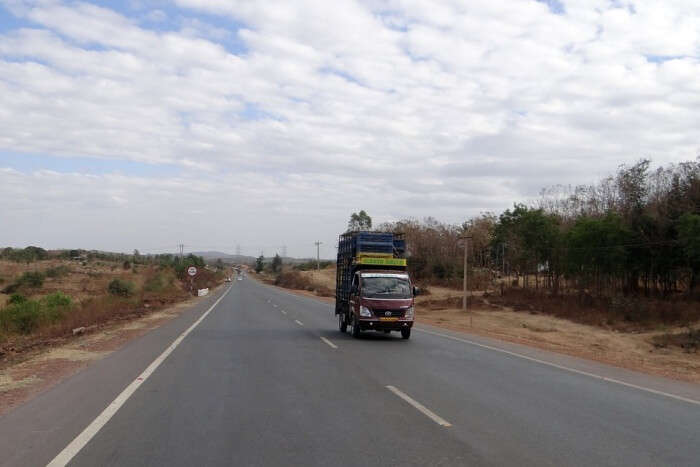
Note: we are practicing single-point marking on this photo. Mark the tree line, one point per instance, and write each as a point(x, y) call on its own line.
point(634, 232)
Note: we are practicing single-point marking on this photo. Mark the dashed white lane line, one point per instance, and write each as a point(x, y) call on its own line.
point(420, 407)
point(65, 456)
point(329, 342)
point(283, 312)
point(298, 322)
point(566, 368)
point(274, 305)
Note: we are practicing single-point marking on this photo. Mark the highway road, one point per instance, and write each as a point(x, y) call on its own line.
point(263, 377)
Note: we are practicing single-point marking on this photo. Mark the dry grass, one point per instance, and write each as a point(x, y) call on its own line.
point(636, 351)
point(87, 285)
point(630, 314)
point(299, 280)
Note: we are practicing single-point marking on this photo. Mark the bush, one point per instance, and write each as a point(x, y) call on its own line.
point(55, 306)
point(26, 316)
point(295, 280)
point(58, 271)
point(22, 317)
point(32, 279)
point(11, 289)
point(57, 300)
point(121, 288)
point(17, 298)
point(155, 283)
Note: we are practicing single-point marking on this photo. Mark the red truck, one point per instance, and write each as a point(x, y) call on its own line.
point(373, 287)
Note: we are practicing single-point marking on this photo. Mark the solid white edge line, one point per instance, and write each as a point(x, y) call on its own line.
point(298, 322)
point(565, 368)
point(329, 342)
point(75, 446)
point(420, 407)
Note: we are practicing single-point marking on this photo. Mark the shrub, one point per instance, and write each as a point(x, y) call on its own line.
point(57, 300)
point(126, 265)
point(155, 283)
point(55, 306)
point(26, 316)
point(58, 271)
point(121, 288)
point(22, 317)
point(11, 289)
point(17, 298)
point(32, 279)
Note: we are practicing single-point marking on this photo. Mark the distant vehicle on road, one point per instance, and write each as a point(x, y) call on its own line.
point(240, 278)
point(228, 279)
point(373, 288)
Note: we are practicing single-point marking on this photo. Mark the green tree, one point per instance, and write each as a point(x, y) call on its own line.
point(259, 263)
point(596, 251)
point(359, 221)
point(689, 237)
point(276, 263)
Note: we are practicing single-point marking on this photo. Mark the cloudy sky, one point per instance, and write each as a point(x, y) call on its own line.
point(143, 124)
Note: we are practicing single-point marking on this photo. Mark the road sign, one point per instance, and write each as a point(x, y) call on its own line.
point(192, 271)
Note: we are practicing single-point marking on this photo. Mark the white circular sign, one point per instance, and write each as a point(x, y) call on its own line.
point(192, 271)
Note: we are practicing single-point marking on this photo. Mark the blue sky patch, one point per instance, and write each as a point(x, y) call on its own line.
point(555, 6)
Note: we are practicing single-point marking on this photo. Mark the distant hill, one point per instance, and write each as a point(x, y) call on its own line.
point(225, 257)
point(243, 259)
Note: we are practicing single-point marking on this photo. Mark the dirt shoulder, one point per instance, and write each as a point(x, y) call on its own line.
point(37, 370)
point(630, 350)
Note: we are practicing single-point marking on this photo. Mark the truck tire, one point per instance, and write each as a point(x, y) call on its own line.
point(342, 324)
point(354, 328)
point(406, 333)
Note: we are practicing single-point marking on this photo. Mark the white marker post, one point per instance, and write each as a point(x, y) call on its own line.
point(191, 271)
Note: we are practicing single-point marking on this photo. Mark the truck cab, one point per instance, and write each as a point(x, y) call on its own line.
point(382, 301)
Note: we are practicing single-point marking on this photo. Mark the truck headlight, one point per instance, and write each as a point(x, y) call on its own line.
point(409, 312)
point(364, 311)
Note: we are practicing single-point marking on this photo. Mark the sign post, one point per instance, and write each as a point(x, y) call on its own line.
point(191, 271)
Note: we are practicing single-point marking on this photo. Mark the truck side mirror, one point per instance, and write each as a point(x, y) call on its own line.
point(416, 290)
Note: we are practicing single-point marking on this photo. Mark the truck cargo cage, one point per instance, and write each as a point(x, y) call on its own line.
point(366, 250)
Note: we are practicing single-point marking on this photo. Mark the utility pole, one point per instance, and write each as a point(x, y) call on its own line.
point(465, 239)
point(182, 250)
point(318, 255)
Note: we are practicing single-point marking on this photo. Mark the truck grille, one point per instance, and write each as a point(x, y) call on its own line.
point(382, 313)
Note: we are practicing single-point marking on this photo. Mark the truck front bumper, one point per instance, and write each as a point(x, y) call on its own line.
point(382, 325)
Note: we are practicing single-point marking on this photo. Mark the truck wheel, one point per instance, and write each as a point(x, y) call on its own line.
point(406, 333)
point(342, 325)
point(355, 328)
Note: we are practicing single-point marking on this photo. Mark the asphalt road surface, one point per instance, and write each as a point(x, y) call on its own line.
point(265, 378)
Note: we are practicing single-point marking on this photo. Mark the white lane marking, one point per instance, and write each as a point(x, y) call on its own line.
point(274, 305)
point(329, 342)
point(298, 322)
point(283, 312)
point(65, 456)
point(420, 407)
point(565, 368)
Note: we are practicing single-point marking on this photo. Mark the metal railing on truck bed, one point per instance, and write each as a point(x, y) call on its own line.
point(367, 250)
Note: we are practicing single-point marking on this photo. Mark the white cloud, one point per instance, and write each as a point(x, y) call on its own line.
point(402, 108)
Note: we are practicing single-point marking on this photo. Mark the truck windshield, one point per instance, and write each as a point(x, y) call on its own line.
point(386, 287)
